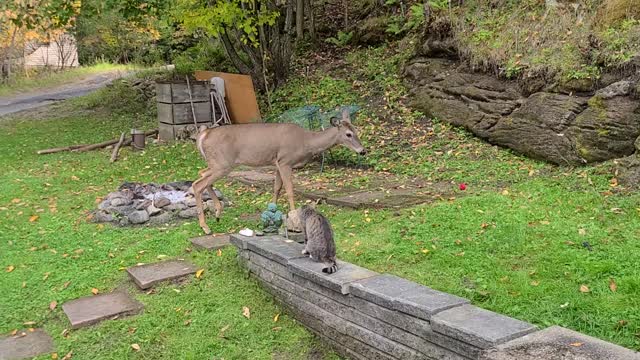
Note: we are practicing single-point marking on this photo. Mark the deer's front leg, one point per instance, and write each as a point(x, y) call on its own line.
point(286, 175)
point(277, 186)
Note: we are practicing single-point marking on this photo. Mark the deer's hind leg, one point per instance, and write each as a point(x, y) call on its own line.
point(207, 178)
point(277, 186)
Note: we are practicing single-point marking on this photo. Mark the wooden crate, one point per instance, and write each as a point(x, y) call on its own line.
point(174, 107)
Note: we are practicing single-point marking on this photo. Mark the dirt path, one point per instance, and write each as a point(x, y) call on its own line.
point(79, 87)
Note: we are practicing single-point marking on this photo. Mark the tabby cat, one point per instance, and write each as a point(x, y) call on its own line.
point(318, 238)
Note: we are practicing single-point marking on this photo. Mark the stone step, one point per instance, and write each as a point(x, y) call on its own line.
point(146, 276)
point(25, 345)
point(93, 309)
point(210, 242)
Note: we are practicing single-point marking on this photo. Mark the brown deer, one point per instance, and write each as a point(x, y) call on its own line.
point(287, 146)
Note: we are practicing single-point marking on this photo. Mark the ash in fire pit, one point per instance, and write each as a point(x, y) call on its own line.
point(136, 203)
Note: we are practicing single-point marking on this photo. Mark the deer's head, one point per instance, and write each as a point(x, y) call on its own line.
point(348, 136)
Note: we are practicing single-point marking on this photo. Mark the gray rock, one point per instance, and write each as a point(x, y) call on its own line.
point(161, 219)
point(210, 242)
point(25, 345)
point(161, 202)
point(403, 295)
point(104, 205)
point(557, 343)
point(620, 88)
point(175, 207)
point(188, 213)
point(93, 309)
point(122, 210)
point(190, 201)
point(138, 217)
point(141, 205)
point(563, 129)
point(146, 276)
point(276, 248)
point(152, 210)
point(479, 327)
point(120, 201)
point(338, 281)
point(102, 216)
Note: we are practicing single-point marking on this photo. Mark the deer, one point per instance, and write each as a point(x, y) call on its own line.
point(285, 145)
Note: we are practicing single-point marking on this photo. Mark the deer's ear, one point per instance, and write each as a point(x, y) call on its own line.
point(345, 116)
point(335, 121)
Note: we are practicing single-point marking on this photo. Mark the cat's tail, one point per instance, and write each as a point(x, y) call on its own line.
point(330, 267)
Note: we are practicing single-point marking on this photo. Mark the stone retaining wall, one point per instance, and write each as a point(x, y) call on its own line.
point(366, 315)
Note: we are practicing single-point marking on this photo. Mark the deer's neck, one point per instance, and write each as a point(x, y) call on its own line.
point(318, 141)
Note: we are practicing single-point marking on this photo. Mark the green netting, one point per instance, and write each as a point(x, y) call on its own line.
point(311, 117)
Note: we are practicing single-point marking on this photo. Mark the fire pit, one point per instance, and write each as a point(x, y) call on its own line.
point(154, 204)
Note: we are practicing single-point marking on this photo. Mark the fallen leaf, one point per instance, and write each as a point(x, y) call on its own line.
point(535, 283)
point(425, 251)
point(29, 323)
point(132, 330)
point(613, 182)
point(582, 232)
point(367, 219)
point(219, 252)
point(68, 356)
point(15, 201)
point(135, 347)
point(66, 284)
point(221, 333)
point(275, 318)
point(54, 356)
point(584, 288)
point(24, 284)
point(95, 291)
point(74, 178)
point(576, 344)
point(187, 323)
point(46, 276)
point(246, 312)
point(277, 328)
point(15, 331)
point(53, 305)
point(65, 333)
point(199, 273)
point(612, 285)
point(34, 218)
point(10, 268)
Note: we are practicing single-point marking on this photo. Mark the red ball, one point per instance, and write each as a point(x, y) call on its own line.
point(463, 186)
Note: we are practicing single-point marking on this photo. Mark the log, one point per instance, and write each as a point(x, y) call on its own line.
point(114, 154)
point(60, 149)
point(107, 143)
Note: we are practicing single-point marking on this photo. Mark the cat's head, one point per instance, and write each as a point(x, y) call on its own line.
point(306, 210)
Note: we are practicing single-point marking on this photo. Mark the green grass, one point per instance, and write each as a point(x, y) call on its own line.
point(513, 241)
point(60, 246)
point(46, 79)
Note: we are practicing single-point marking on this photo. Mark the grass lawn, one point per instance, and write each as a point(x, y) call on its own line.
point(538, 242)
point(23, 83)
point(50, 252)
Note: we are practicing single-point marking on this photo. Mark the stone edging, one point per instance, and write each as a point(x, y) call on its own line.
point(366, 315)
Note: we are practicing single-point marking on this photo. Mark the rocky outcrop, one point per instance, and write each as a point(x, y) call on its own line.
point(563, 128)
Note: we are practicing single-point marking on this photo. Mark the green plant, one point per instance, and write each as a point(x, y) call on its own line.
point(342, 39)
point(584, 72)
point(439, 4)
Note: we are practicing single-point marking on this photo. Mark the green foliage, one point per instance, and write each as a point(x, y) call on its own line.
point(620, 43)
point(342, 39)
point(217, 17)
point(591, 72)
point(207, 54)
point(439, 4)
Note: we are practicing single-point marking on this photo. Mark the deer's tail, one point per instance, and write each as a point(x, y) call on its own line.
point(199, 141)
point(330, 267)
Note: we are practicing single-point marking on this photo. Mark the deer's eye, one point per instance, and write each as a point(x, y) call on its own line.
point(349, 135)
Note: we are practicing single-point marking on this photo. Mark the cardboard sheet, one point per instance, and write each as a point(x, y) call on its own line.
point(240, 94)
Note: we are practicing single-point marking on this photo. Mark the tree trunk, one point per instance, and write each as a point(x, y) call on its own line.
point(346, 14)
point(299, 20)
point(6, 65)
point(312, 20)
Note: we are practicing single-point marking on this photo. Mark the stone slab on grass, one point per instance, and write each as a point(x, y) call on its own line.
point(146, 276)
point(559, 343)
point(338, 281)
point(379, 199)
point(275, 248)
point(210, 242)
point(479, 327)
point(25, 345)
point(93, 309)
point(403, 295)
